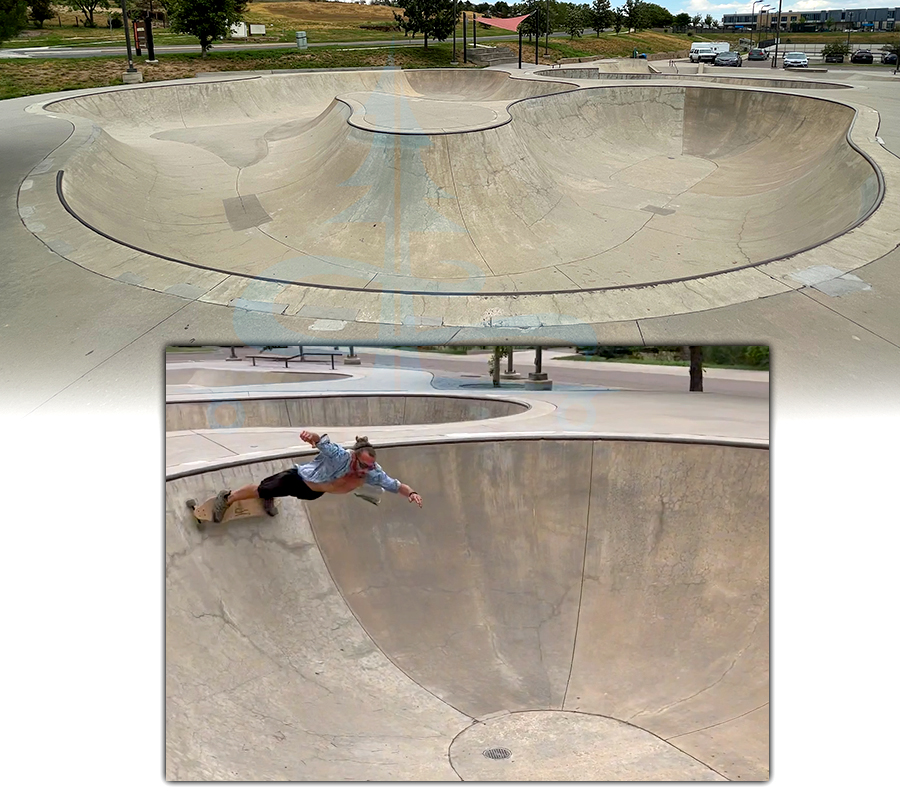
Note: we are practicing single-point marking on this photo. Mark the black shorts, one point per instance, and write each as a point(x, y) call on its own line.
point(287, 483)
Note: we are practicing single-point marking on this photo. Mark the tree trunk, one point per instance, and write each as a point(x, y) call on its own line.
point(496, 371)
point(696, 353)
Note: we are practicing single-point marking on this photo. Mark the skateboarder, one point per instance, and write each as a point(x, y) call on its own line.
point(334, 470)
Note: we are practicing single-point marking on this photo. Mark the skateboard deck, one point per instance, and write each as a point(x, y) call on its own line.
point(249, 508)
point(371, 494)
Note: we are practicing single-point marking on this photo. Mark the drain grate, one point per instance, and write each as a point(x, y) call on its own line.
point(498, 753)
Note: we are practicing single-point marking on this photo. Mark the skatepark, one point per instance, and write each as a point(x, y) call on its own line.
point(397, 207)
point(83, 339)
point(588, 592)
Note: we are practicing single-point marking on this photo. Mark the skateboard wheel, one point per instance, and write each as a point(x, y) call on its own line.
point(192, 503)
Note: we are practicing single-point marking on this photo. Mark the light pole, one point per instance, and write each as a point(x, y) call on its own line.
point(767, 10)
point(753, 18)
point(777, 36)
point(849, 26)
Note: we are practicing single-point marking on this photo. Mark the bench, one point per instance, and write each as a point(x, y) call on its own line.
point(276, 357)
point(301, 356)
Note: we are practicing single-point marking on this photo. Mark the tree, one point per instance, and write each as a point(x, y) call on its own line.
point(656, 16)
point(41, 10)
point(696, 357)
point(208, 20)
point(634, 14)
point(87, 7)
point(835, 49)
point(432, 18)
point(600, 15)
point(682, 20)
point(618, 19)
point(501, 9)
point(708, 22)
point(535, 23)
point(12, 18)
point(575, 22)
point(501, 352)
point(695, 20)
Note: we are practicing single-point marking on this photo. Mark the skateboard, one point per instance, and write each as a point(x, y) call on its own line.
point(250, 508)
point(371, 494)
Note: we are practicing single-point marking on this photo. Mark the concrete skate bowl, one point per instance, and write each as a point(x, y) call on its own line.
point(591, 189)
point(594, 74)
point(598, 608)
point(335, 410)
point(237, 377)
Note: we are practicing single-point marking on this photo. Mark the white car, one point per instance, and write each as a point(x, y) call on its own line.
point(795, 60)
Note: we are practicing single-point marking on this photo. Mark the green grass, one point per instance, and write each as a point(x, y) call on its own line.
point(24, 77)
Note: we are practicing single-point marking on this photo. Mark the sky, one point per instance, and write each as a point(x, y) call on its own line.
point(716, 10)
point(704, 7)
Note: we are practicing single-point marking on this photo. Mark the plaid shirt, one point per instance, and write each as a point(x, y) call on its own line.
point(333, 462)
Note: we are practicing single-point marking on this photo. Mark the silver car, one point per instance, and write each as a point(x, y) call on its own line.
point(795, 60)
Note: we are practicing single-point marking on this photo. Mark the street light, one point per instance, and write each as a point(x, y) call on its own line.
point(777, 36)
point(753, 18)
point(767, 10)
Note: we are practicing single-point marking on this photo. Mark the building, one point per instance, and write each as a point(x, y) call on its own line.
point(872, 19)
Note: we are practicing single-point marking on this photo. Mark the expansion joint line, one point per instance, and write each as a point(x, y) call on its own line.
point(831, 309)
point(587, 522)
point(459, 207)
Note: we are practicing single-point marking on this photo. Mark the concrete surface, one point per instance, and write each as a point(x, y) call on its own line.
point(595, 606)
point(644, 185)
point(233, 376)
point(334, 410)
point(128, 304)
point(227, 425)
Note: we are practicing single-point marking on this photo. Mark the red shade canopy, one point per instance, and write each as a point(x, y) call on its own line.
point(510, 24)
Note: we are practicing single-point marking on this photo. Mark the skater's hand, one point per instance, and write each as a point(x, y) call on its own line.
point(415, 497)
point(309, 437)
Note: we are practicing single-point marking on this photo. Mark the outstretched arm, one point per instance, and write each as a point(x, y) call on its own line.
point(408, 492)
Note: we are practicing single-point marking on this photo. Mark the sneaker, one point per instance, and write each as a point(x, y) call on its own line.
point(220, 505)
point(269, 506)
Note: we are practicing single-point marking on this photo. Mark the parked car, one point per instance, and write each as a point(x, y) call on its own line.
point(861, 57)
point(888, 58)
point(795, 60)
point(729, 59)
point(834, 58)
point(757, 54)
point(707, 51)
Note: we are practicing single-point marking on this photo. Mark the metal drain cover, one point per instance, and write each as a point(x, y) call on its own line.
point(498, 753)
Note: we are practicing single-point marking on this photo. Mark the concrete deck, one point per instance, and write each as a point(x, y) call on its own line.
point(228, 425)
